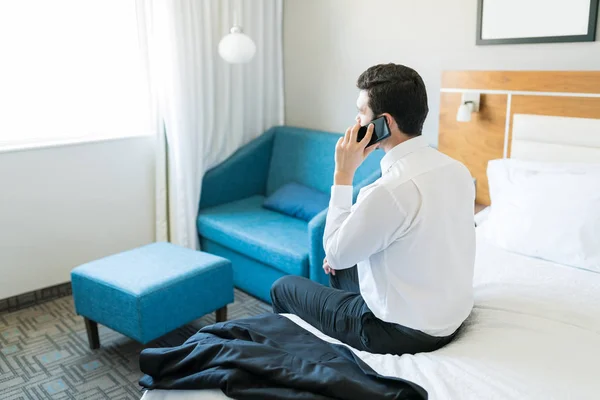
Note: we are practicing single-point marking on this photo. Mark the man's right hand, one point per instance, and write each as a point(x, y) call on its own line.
point(327, 268)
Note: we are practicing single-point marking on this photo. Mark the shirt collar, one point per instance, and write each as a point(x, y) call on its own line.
point(401, 151)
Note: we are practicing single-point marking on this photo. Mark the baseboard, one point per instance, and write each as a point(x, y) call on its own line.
point(36, 297)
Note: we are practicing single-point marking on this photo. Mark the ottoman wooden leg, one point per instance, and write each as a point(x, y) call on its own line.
point(92, 333)
point(222, 314)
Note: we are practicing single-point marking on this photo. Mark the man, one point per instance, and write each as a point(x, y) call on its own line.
point(401, 259)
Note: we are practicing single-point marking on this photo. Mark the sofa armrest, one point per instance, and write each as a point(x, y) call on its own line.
point(316, 230)
point(242, 175)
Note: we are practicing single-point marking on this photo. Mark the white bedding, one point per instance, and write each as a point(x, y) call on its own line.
point(534, 334)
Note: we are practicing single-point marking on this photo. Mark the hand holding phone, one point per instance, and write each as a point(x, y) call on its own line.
point(350, 153)
point(381, 131)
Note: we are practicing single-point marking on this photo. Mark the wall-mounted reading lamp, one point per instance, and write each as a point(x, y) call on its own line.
point(468, 105)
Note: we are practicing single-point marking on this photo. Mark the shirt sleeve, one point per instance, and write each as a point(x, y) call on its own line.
point(354, 233)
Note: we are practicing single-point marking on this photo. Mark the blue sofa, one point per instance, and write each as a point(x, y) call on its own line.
point(264, 245)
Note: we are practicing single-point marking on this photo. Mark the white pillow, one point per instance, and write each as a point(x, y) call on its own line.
point(546, 210)
point(482, 216)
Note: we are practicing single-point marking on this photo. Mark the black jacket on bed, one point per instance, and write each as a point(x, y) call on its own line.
point(268, 357)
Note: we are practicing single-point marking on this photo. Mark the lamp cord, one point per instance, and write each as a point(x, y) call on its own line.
point(236, 13)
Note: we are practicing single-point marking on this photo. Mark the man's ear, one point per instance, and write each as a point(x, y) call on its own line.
point(389, 119)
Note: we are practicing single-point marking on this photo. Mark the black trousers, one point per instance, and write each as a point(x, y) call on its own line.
point(340, 312)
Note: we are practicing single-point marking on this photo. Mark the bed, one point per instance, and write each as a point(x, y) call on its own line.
point(534, 332)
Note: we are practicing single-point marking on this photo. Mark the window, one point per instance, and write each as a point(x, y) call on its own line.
point(70, 70)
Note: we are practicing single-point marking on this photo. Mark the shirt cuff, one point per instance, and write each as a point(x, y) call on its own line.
point(341, 196)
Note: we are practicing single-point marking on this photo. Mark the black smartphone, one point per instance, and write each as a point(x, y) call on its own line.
point(381, 131)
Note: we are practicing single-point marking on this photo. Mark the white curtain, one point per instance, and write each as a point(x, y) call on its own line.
point(206, 107)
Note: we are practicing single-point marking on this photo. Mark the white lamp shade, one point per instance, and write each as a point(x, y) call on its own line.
point(464, 113)
point(237, 48)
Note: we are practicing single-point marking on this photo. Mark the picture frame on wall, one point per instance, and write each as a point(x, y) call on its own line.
point(536, 21)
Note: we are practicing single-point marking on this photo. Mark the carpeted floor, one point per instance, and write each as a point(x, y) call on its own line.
point(44, 353)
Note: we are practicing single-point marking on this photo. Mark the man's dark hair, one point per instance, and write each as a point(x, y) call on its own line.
point(399, 91)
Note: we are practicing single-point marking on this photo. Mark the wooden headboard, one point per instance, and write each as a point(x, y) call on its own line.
point(505, 93)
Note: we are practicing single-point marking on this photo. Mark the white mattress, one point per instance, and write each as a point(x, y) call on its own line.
point(534, 334)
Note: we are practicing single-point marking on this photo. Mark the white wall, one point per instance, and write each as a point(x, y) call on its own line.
point(328, 43)
point(67, 205)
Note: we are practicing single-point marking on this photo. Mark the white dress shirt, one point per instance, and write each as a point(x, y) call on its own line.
point(411, 234)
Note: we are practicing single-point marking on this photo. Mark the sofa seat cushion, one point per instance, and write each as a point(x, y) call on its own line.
point(267, 236)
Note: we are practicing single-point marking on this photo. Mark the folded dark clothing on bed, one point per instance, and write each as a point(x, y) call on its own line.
point(268, 357)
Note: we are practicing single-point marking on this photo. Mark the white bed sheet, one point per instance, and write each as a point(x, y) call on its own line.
point(534, 334)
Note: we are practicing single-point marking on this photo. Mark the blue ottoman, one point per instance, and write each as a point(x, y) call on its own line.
point(147, 292)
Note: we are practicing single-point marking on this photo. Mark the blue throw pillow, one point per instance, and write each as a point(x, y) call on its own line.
point(297, 201)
